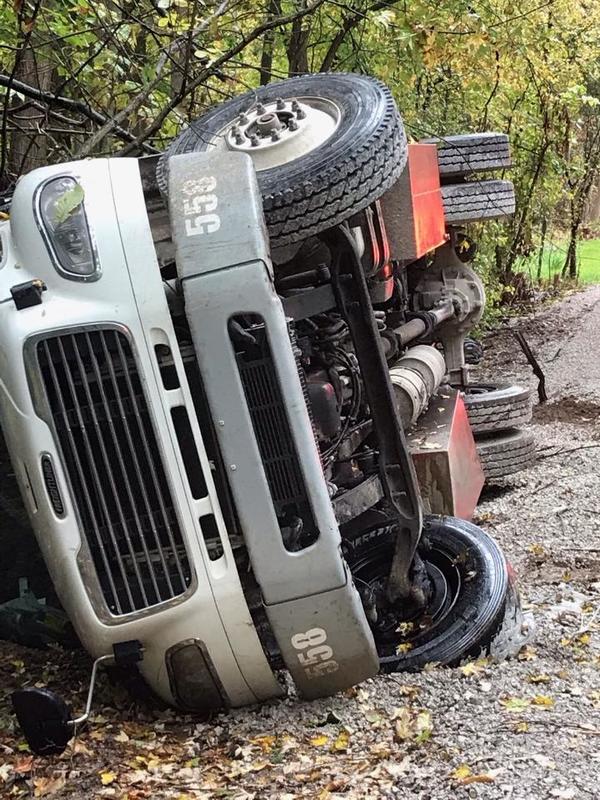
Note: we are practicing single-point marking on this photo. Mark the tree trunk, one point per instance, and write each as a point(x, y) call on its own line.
point(297, 48)
point(266, 56)
point(28, 143)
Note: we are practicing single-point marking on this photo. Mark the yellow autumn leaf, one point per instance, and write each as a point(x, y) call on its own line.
point(108, 777)
point(405, 647)
point(474, 667)
point(461, 772)
point(543, 700)
point(521, 727)
point(319, 741)
point(264, 742)
point(515, 704)
point(341, 743)
point(541, 678)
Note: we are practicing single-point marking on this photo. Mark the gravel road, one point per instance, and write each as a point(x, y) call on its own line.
point(527, 729)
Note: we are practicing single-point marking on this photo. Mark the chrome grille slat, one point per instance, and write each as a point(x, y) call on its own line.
point(92, 463)
point(81, 479)
point(107, 467)
point(109, 449)
point(149, 459)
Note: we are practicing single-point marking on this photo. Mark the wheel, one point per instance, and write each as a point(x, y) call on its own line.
point(324, 146)
point(469, 153)
point(469, 594)
point(497, 407)
point(477, 200)
point(505, 453)
point(473, 351)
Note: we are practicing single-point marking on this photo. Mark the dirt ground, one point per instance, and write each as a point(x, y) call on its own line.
point(527, 729)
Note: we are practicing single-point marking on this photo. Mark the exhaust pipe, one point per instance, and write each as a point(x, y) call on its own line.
point(415, 378)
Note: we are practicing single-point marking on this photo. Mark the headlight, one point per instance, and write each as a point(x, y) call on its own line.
point(62, 216)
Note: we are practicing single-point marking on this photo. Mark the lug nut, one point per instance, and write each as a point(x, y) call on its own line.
point(292, 125)
point(254, 140)
point(242, 119)
point(260, 109)
point(300, 114)
point(295, 105)
point(239, 139)
point(280, 104)
point(274, 136)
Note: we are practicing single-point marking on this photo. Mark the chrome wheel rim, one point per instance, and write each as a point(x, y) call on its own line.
point(280, 131)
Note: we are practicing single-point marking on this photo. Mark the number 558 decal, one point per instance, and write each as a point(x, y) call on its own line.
point(314, 654)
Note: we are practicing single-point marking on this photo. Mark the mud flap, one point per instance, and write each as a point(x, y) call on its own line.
point(224, 264)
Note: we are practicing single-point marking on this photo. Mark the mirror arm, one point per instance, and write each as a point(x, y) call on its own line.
point(88, 705)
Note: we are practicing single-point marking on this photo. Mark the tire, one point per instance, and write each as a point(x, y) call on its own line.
point(467, 154)
point(308, 194)
point(505, 453)
point(476, 201)
point(479, 599)
point(497, 407)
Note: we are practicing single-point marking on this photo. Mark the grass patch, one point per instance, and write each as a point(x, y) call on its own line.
point(553, 259)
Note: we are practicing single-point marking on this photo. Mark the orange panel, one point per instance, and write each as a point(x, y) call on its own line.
point(413, 209)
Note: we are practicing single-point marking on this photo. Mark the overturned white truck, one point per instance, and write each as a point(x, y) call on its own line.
point(248, 447)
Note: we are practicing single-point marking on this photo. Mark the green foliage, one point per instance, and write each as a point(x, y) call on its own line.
point(532, 69)
point(66, 204)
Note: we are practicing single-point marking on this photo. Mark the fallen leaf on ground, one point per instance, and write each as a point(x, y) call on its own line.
point(23, 765)
point(474, 667)
point(461, 772)
point(515, 704)
point(411, 725)
point(45, 787)
point(341, 742)
point(319, 741)
point(543, 700)
point(541, 678)
point(108, 777)
point(485, 777)
point(527, 653)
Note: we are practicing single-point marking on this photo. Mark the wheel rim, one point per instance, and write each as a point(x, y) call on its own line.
point(479, 388)
point(280, 131)
point(398, 630)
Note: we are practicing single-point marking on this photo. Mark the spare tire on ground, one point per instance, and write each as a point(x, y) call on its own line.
point(325, 146)
point(503, 454)
point(497, 407)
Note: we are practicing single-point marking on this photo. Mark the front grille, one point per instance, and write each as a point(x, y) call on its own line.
point(274, 437)
point(111, 456)
point(273, 433)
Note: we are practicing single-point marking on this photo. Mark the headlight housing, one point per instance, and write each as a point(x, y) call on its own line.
point(61, 216)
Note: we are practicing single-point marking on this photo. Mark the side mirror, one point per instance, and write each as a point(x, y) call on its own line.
point(45, 720)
